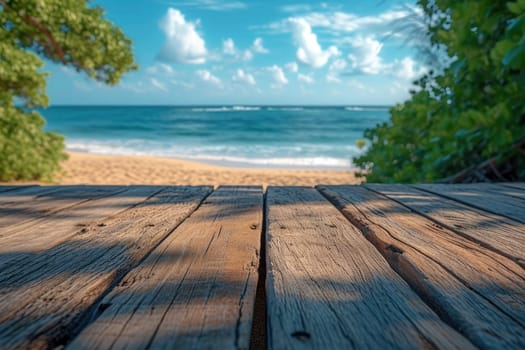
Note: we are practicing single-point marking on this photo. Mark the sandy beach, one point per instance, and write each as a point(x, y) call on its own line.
point(84, 168)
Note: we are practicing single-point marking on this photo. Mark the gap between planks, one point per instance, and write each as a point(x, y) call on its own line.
point(393, 248)
point(495, 232)
point(329, 288)
point(55, 289)
point(473, 288)
point(196, 289)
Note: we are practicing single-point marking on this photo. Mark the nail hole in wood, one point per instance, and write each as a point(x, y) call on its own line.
point(301, 335)
point(103, 307)
point(394, 249)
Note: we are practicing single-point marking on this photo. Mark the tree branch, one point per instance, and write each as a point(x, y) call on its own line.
point(486, 170)
point(43, 29)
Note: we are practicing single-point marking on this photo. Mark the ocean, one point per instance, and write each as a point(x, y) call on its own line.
point(245, 136)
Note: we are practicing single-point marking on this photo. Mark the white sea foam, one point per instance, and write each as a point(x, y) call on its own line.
point(227, 109)
point(371, 109)
point(286, 162)
point(285, 109)
point(258, 156)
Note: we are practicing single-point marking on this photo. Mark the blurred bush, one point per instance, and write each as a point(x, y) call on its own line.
point(465, 122)
point(67, 32)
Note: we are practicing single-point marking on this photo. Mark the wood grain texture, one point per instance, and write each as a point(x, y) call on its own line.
point(37, 235)
point(47, 294)
point(478, 291)
point(6, 188)
point(518, 185)
point(485, 197)
point(509, 191)
point(38, 202)
point(196, 290)
point(329, 288)
point(495, 232)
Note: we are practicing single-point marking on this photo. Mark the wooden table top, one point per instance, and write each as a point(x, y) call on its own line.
point(332, 267)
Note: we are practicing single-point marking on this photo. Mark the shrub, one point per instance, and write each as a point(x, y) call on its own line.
point(466, 123)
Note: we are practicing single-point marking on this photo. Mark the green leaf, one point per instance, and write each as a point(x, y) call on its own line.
point(515, 57)
point(91, 44)
point(472, 110)
point(517, 7)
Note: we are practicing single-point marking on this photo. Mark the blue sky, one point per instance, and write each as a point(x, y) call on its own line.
point(254, 52)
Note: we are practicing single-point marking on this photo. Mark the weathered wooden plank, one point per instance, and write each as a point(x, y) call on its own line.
point(518, 185)
point(509, 191)
point(21, 206)
point(6, 188)
point(328, 288)
point(28, 238)
point(14, 192)
point(30, 193)
point(47, 295)
point(498, 233)
point(482, 196)
point(196, 290)
point(478, 291)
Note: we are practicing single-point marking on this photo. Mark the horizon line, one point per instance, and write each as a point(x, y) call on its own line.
point(217, 105)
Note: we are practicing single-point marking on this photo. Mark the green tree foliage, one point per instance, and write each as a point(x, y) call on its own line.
point(64, 31)
point(469, 119)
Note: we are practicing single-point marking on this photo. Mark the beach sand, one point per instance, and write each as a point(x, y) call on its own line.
point(83, 168)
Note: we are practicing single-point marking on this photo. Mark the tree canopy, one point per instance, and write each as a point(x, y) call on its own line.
point(466, 122)
point(68, 32)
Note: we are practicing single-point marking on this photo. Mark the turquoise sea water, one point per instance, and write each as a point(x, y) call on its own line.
point(273, 137)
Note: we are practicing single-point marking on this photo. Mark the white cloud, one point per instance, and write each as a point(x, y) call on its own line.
point(365, 56)
point(345, 22)
point(258, 47)
point(183, 43)
point(309, 51)
point(206, 76)
point(158, 85)
point(214, 5)
point(228, 47)
point(296, 8)
point(292, 67)
point(332, 78)
point(365, 59)
point(161, 68)
point(243, 77)
point(335, 69)
point(338, 65)
point(305, 79)
point(278, 76)
point(247, 55)
point(339, 24)
point(406, 69)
